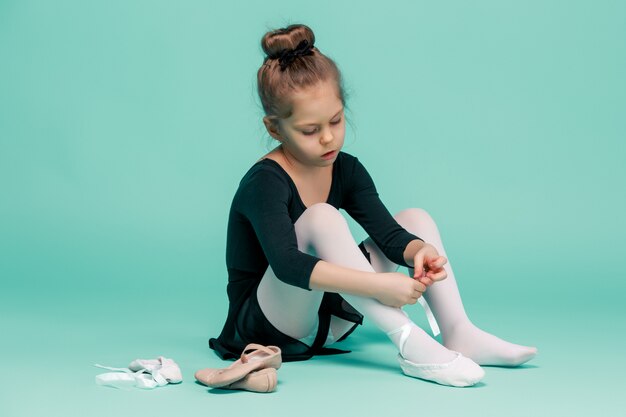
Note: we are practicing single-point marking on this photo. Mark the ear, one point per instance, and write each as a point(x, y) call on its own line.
point(272, 128)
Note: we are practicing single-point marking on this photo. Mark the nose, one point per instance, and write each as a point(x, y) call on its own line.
point(326, 137)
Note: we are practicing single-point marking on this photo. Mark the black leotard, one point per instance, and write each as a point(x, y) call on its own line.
point(261, 232)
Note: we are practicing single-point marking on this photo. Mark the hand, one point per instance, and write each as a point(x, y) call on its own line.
point(395, 289)
point(429, 265)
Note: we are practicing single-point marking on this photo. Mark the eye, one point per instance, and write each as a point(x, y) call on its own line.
point(311, 132)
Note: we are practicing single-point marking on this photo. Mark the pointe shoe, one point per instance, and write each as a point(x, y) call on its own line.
point(459, 372)
point(261, 357)
point(264, 380)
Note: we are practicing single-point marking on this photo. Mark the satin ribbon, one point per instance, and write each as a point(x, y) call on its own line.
point(125, 378)
point(429, 315)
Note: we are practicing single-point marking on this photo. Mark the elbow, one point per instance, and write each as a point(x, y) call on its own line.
point(292, 277)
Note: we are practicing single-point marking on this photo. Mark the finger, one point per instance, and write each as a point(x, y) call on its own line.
point(434, 263)
point(419, 286)
point(436, 270)
point(426, 281)
point(418, 264)
point(439, 276)
point(438, 262)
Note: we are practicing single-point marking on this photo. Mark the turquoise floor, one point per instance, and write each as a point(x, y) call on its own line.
point(50, 342)
point(126, 126)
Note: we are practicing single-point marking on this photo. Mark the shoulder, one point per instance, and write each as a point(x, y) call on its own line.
point(350, 164)
point(347, 162)
point(346, 157)
point(262, 182)
point(355, 176)
point(263, 172)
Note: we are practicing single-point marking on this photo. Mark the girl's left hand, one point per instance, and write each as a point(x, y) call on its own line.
point(429, 265)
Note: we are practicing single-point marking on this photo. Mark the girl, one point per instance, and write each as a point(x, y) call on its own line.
point(297, 279)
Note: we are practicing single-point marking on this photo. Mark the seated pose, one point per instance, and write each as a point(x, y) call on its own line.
point(296, 277)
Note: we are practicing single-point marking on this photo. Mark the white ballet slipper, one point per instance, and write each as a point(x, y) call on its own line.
point(459, 372)
point(160, 367)
point(127, 379)
point(141, 373)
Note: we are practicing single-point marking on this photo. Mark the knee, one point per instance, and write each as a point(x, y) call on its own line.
point(414, 220)
point(323, 216)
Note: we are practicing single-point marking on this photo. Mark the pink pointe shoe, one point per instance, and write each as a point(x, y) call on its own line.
point(264, 380)
point(459, 372)
point(261, 357)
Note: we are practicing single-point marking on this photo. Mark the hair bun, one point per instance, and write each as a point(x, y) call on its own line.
point(275, 41)
point(292, 48)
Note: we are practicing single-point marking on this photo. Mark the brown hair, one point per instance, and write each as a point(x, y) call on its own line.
point(275, 85)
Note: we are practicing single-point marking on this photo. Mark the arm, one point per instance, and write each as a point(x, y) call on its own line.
point(331, 277)
point(263, 201)
point(390, 288)
point(411, 250)
point(363, 203)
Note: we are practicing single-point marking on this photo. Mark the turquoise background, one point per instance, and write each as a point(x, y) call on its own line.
point(125, 127)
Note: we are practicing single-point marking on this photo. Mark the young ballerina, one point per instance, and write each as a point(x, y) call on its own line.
point(297, 278)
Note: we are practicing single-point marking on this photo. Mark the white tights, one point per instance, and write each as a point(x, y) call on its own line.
point(323, 231)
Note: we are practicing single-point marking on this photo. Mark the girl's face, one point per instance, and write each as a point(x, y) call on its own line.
point(315, 127)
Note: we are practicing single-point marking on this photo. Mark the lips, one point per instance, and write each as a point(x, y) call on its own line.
point(328, 153)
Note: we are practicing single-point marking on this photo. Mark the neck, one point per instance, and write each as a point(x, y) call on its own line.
point(299, 168)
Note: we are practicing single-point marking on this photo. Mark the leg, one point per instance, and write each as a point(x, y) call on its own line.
point(457, 331)
point(325, 231)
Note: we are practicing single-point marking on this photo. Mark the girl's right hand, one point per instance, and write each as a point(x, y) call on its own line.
point(396, 289)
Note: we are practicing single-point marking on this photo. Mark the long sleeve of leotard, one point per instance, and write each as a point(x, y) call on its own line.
point(264, 202)
point(363, 204)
